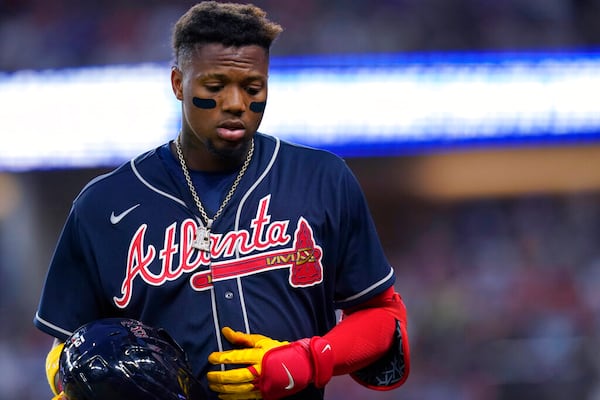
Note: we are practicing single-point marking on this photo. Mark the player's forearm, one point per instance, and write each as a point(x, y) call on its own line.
point(360, 339)
point(366, 334)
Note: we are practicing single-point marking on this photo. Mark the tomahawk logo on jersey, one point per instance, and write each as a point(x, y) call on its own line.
point(309, 243)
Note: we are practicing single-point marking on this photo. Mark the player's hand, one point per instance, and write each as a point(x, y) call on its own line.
point(276, 369)
point(52, 363)
point(238, 384)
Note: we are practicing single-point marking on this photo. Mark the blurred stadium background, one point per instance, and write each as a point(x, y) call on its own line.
point(494, 237)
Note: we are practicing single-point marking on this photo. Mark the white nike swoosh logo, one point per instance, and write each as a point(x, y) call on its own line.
point(291, 385)
point(115, 219)
point(327, 347)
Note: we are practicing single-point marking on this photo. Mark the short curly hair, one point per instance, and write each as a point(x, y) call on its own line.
point(230, 24)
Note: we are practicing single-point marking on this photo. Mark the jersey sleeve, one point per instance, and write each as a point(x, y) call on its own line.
point(71, 292)
point(363, 270)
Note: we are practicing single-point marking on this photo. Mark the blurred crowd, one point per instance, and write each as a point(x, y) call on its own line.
point(503, 294)
point(504, 297)
point(43, 34)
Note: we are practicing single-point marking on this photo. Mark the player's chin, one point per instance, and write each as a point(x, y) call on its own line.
point(231, 149)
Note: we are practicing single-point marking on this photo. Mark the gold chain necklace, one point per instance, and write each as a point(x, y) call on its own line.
point(202, 239)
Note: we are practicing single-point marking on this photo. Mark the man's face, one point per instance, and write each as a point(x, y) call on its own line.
point(223, 92)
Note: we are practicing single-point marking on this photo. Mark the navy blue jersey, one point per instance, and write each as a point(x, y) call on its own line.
point(295, 242)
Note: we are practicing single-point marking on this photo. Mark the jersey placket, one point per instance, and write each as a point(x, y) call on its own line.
point(229, 307)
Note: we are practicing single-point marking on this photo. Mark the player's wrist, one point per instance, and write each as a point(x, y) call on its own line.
point(322, 360)
point(291, 368)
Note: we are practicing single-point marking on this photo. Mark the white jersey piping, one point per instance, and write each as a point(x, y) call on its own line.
point(370, 288)
point(237, 223)
point(145, 182)
point(52, 326)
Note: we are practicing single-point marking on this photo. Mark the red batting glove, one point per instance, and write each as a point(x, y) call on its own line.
point(291, 368)
point(276, 370)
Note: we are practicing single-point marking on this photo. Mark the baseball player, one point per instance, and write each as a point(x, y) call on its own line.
point(242, 246)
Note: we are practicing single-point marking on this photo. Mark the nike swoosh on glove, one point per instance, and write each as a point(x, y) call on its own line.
point(276, 369)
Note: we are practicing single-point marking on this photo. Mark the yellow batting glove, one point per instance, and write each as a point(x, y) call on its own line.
point(275, 369)
point(52, 361)
point(238, 384)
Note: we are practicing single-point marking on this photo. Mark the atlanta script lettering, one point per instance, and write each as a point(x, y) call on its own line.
point(303, 257)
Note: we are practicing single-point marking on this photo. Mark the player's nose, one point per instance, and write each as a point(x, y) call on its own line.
point(234, 101)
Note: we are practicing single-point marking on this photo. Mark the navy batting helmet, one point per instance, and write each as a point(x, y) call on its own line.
point(123, 359)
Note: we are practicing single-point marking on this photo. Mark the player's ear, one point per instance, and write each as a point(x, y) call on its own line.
point(177, 82)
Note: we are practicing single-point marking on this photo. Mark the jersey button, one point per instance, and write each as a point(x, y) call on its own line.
point(229, 295)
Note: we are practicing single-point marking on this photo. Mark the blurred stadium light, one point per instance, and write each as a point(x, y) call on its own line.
point(367, 105)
